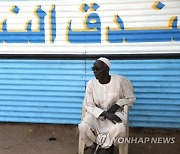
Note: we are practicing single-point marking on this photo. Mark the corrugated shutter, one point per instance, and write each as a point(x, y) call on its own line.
point(51, 91)
point(42, 91)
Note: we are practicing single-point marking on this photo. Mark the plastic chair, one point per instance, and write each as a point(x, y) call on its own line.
point(123, 148)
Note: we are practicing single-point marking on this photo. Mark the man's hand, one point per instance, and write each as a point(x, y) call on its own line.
point(114, 118)
point(113, 108)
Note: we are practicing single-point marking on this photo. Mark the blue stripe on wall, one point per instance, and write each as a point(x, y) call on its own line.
point(51, 91)
point(156, 88)
point(41, 91)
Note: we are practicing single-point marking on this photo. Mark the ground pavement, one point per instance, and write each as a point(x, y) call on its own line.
point(22, 138)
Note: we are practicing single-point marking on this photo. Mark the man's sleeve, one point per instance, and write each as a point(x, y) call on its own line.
point(128, 94)
point(89, 103)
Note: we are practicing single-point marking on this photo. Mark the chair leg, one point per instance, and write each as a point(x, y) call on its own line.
point(81, 146)
point(123, 148)
point(126, 148)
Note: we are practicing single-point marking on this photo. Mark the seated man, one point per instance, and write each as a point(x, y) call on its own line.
point(104, 100)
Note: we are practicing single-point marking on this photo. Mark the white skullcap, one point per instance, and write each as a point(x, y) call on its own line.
point(105, 60)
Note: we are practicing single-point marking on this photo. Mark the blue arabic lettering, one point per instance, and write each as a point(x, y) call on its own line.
point(52, 20)
point(28, 35)
point(91, 32)
point(120, 35)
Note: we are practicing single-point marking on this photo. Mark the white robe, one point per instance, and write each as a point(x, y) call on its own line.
point(99, 98)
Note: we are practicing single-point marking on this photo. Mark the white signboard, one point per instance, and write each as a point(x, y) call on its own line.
point(89, 27)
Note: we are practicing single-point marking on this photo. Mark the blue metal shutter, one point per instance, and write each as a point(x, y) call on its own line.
point(41, 91)
point(51, 91)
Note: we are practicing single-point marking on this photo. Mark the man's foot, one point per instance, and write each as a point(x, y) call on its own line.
point(94, 149)
point(110, 150)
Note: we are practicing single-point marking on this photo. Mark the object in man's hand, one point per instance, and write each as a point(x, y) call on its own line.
point(114, 118)
point(113, 108)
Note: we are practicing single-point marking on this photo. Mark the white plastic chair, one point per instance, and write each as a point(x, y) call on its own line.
point(123, 148)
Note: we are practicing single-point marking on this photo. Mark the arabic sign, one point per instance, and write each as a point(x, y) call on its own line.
point(89, 27)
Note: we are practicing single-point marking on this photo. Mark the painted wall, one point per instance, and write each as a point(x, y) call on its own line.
point(51, 91)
